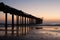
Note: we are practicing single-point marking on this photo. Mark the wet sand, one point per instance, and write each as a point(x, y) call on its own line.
point(44, 34)
point(47, 33)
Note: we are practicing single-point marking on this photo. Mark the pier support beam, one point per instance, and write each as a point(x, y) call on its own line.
point(12, 24)
point(22, 24)
point(19, 20)
point(29, 24)
point(25, 25)
point(29, 21)
point(17, 24)
point(33, 21)
point(5, 23)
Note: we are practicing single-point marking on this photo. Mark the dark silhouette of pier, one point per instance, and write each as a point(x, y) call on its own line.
point(22, 18)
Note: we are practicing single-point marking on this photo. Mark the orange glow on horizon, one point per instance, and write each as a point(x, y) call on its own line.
point(45, 19)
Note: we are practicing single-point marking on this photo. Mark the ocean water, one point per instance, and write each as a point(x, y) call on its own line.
point(21, 30)
point(46, 33)
point(35, 32)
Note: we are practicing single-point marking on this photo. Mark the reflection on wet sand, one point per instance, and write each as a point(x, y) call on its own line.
point(21, 31)
point(47, 33)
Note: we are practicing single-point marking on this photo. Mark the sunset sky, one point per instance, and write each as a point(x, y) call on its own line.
point(48, 9)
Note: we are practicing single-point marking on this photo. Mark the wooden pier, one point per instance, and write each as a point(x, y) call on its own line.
point(22, 18)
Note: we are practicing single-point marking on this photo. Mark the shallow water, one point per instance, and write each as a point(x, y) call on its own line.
point(21, 30)
point(46, 33)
